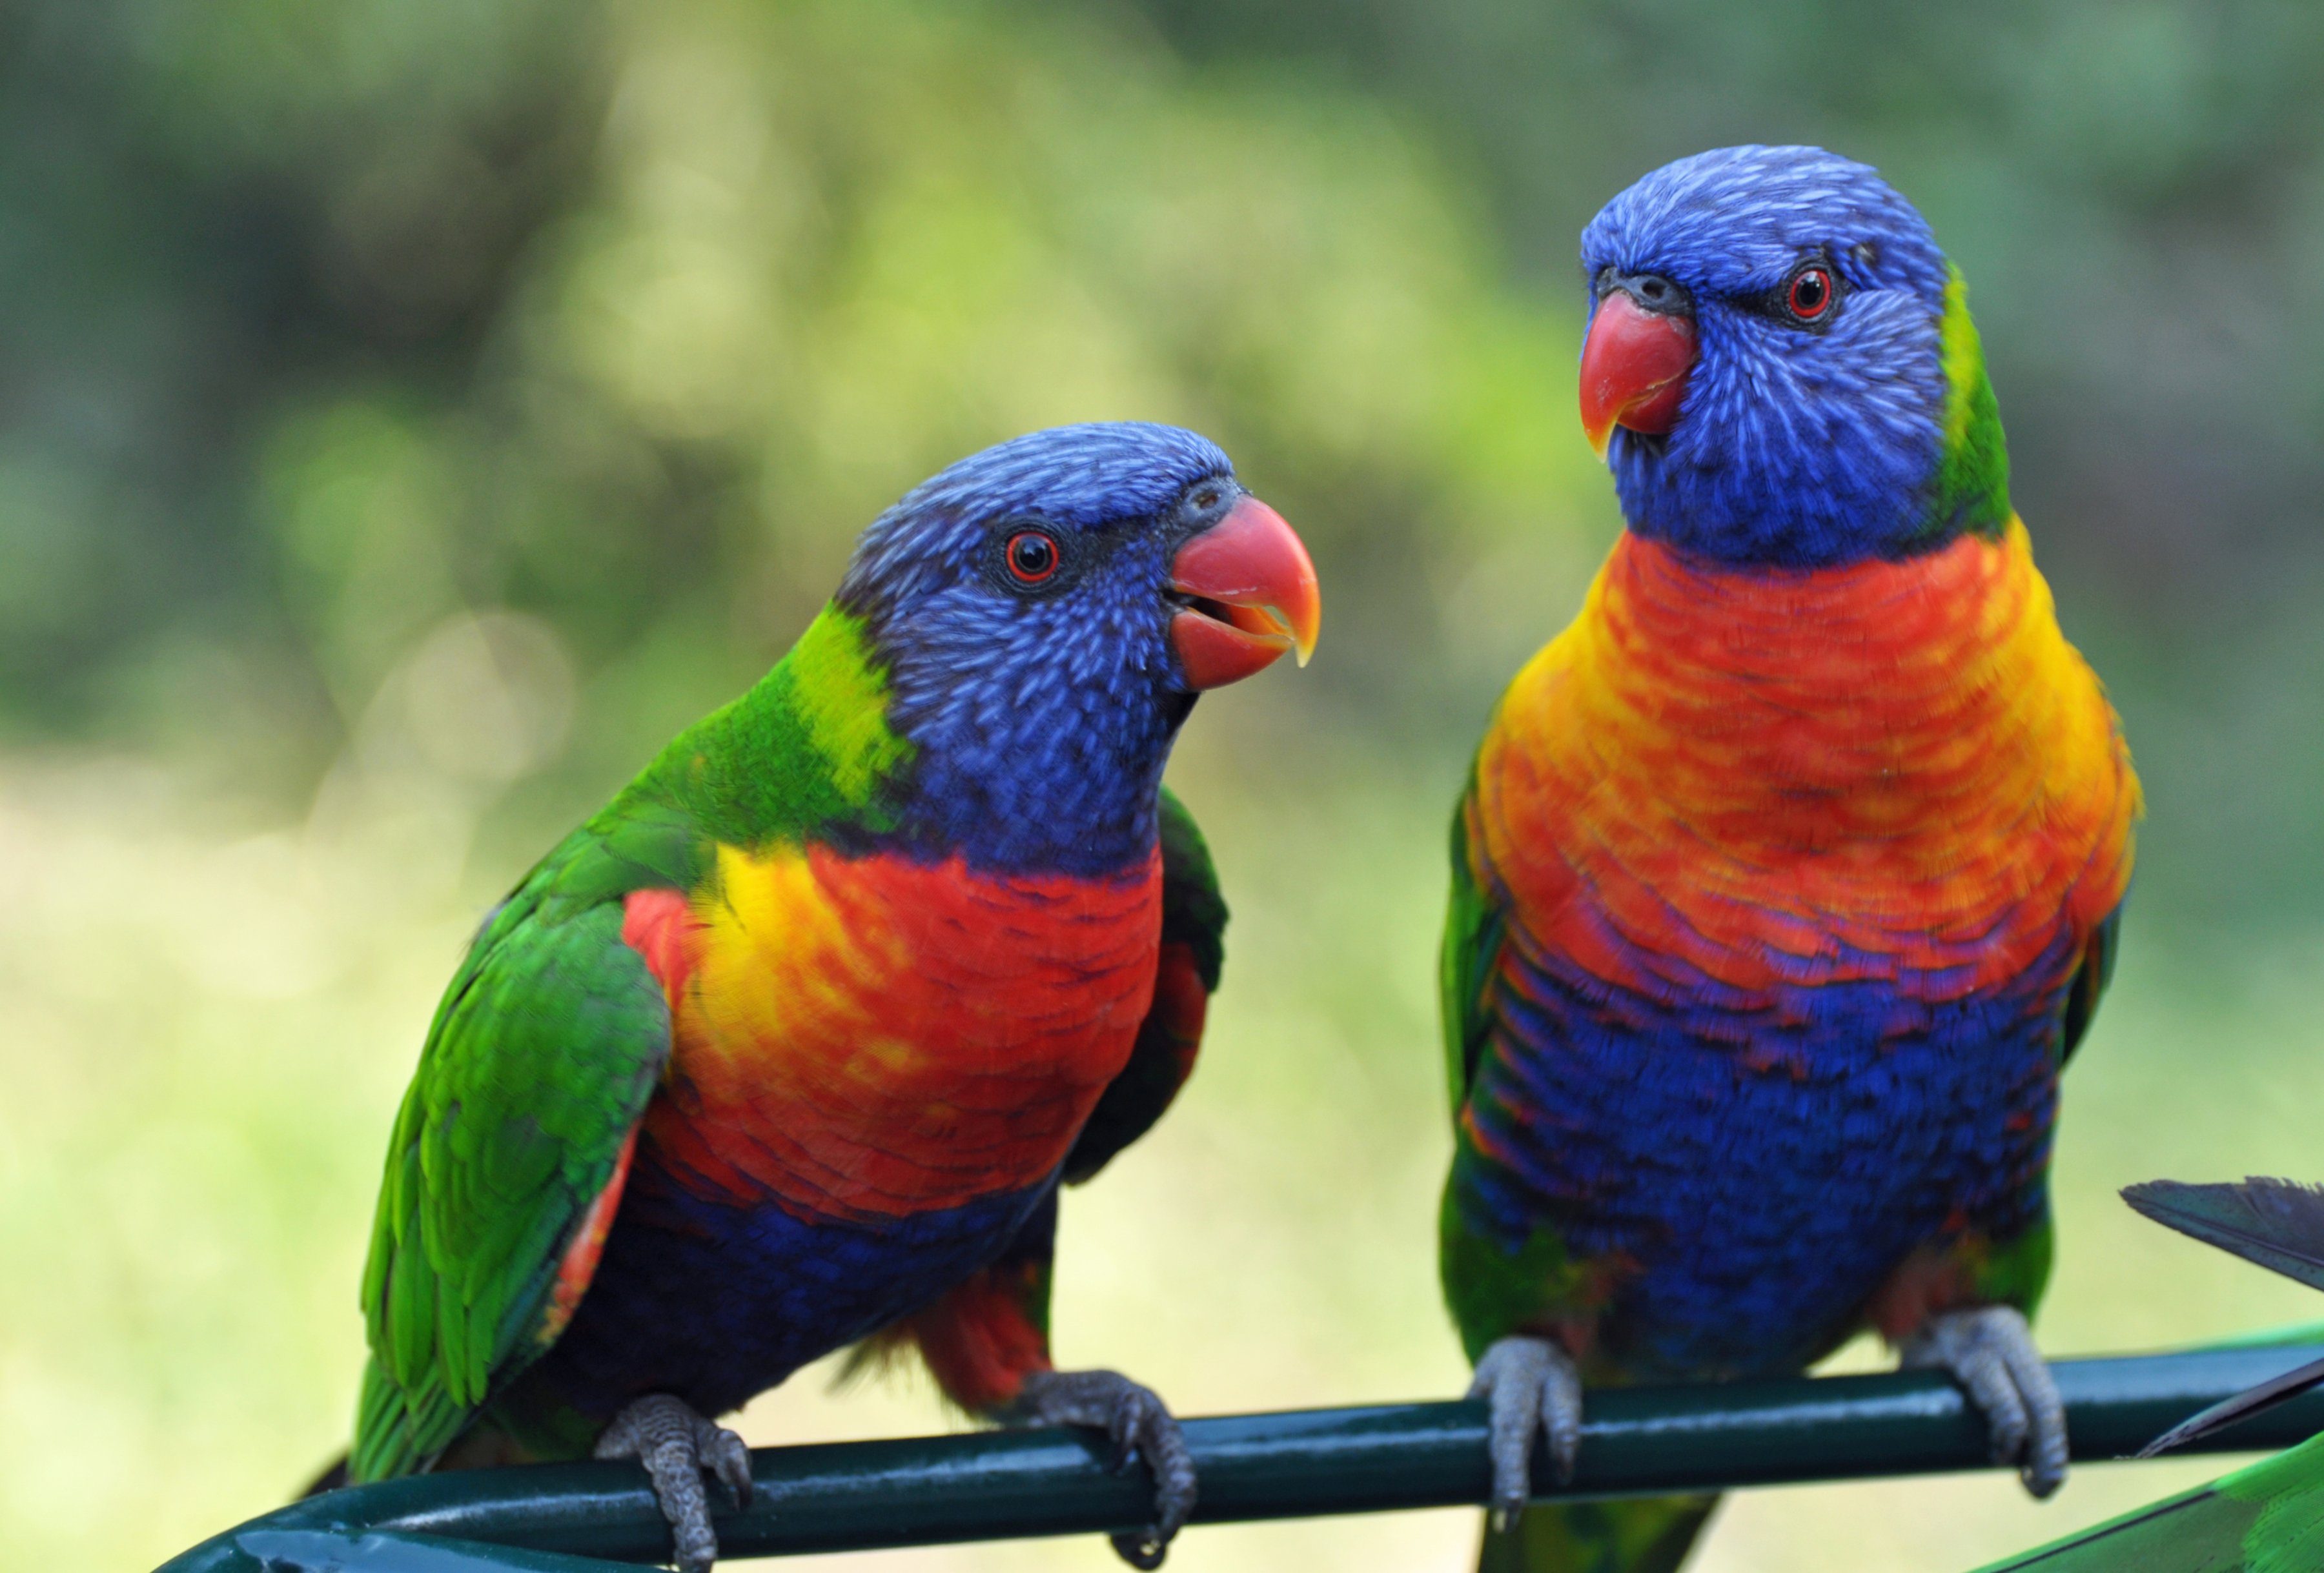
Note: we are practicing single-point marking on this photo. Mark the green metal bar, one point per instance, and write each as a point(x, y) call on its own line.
point(561, 1518)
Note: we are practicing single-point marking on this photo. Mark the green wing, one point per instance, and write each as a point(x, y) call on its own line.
point(1473, 931)
point(1193, 913)
point(1491, 1290)
point(1194, 947)
point(2268, 1518)
point(2091, 980)
point(552, 1037)
point(541, 1059)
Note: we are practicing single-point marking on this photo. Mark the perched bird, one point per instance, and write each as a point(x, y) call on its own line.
point(791, 1045)
point(2268, 1517)
point(1786, 877)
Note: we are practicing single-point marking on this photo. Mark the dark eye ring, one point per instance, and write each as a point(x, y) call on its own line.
point(1032, 556)
point(1809, 295)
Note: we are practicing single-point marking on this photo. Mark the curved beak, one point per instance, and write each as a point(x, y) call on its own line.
point(1246, 593)
point(1634, 367)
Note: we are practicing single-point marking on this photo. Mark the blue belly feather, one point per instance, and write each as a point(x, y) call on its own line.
point(1752, 1169)
point(715, 1301)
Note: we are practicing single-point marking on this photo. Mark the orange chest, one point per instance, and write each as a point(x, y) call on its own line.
point(1805, 776)
point(875, 1037)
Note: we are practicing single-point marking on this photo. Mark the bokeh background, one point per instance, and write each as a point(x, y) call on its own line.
point(412, 413)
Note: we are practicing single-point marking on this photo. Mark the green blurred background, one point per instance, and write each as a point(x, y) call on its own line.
point(410, 414)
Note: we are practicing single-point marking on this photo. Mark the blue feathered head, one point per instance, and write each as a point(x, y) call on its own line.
point(1044, 612)
point(1781, 368)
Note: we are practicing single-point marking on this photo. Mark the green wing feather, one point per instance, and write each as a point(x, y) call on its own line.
point(542, 1057)
point(1473, 931)
point(1194, 914)
point(1490, 1290)
point(553, 1036)
point(2091, 980)
point(2268, 1518)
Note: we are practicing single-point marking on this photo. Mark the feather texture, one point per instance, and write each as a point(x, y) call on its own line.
point(1786, 876)
point(792, 1041)
point(2268, 1518)
point(1766, 977)
point(2276, 1223)
point(2242, 1406)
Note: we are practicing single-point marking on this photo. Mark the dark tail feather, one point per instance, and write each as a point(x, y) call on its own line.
point(1634, 1535)
point(2276, 1223)
point(330, 1479)
point(2250, 1402)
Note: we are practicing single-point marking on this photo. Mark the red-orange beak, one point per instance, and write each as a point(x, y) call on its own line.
point(1251, 595)
point(1634, 367)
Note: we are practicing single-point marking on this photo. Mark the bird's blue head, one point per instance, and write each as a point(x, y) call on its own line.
point(1781, 368)
point(1046, 612)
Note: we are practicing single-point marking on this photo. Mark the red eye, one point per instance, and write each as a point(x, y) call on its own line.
point(1810, 296)
point(1031, 556)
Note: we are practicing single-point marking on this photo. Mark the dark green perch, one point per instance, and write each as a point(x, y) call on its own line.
point(1008, 1484)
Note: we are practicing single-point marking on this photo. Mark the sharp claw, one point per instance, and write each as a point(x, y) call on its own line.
point(1174, 1476)
point(1140, 1426)
point(675, 1447)
point(2044, 1467)
point(1128, 1424)
point(1514, 1420)
point(1990, 1350)
point(730, 1460)
point(1141, 1551)
point(1531, 1385)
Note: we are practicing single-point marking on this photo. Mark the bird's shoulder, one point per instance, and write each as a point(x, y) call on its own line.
point(807, 754)
point(511, 1142)
point(1186, 969)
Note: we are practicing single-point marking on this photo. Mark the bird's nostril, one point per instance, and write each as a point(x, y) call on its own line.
point(1655, 292)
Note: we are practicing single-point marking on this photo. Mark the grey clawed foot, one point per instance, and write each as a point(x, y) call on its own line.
point(1141, 1426)
point(677, 1447)
point(1989, 1351)
point(1531, 1384)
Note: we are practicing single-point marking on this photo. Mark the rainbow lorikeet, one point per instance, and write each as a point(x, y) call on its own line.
point(791, 1045)
point(2266, 1518)
point(1786, 879)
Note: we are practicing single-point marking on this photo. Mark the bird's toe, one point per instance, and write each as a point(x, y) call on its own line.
point(1990, 1351)
point(728, 1457)
point(1529, 1385)
point(2042, 1464)
point(675, 1445)
point(1140, 1426)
